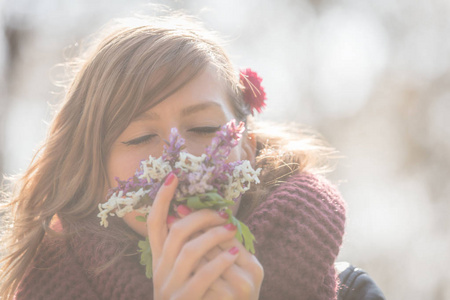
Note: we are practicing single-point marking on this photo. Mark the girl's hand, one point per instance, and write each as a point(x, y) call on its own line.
point(243, 279)
point(177, 271)
point(176, 255)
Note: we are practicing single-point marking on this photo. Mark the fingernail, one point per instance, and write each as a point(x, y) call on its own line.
point(170, 219)
point(234, 250)
point(230, 226)
point(169, 178)
point(183, 210)
point(223, 214)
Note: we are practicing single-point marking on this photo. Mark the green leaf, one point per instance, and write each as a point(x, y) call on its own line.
point(243, 234)
point(141, 219)
point(210, 200)
point(196, 203)
point(249, 238)
point(146, 257)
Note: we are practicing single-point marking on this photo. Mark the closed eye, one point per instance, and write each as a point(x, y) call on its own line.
point(205, 130)
point(140, 140)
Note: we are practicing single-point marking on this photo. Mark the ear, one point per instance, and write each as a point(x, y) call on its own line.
point(249, 147)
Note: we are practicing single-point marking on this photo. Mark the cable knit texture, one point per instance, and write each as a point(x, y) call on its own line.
point(298, 228)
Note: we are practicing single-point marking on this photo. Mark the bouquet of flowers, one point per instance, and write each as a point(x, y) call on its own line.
point(205, 181)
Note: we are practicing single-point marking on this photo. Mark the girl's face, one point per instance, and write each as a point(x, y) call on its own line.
point(197, 110)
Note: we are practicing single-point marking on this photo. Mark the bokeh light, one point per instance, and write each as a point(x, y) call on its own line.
point(372, 76)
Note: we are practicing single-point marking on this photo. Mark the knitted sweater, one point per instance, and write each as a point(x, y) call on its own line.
point(298, 229)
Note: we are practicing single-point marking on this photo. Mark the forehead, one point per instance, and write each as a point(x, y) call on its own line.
point(204, 92)
point(205, 83)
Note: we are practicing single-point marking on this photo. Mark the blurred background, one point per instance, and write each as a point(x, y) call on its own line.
point(372, 76)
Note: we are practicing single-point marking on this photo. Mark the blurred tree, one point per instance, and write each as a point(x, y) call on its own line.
point(10, 46)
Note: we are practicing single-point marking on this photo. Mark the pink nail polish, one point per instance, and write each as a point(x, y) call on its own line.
point(230, 226)
point(234, 250)
point(169, 178)
point(170, 219)
point(183, 210)
point(223, 214)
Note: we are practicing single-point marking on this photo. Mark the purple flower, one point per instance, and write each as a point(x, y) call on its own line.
point(174, 146)
point(197, 175)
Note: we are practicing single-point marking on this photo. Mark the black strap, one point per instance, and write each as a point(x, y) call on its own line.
point(356, 284)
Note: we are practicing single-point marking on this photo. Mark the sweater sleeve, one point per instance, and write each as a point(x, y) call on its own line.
point(299, 230)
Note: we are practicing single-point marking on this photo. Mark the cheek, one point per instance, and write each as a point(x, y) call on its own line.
point(196, 148)
point(237, 153)
point(122, 166)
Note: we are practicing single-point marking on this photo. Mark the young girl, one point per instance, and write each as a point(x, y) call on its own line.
point(141, 80)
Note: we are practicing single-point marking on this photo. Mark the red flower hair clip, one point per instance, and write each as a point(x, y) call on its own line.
point(254, 94)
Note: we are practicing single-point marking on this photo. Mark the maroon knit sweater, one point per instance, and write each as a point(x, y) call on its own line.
point(298, 228)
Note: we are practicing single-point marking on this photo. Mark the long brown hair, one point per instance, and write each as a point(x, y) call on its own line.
point(133, 68)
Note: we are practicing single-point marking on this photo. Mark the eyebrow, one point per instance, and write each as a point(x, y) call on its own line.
point(192, 109)
point(199, 107)
point(148, 115)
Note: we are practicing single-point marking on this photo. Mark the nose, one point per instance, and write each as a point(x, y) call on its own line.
point(161, 141)
point(174, 140)
point(195, 148)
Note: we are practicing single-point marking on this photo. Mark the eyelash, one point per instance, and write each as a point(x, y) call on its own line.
point(205, 130)
point(140, 140)
point(147, 138)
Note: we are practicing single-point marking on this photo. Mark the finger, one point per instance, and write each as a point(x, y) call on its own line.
point(239, 280)
point(242, 276)
point(196, 248)
point(245, 257)
point(220, 289)
point(208, 274)
point(183, 210)
point(183, 230)
point(157, 218)
point(170, 220)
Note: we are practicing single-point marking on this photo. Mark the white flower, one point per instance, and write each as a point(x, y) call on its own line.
point(246, 171)
point(190, 163)
point(239, 183)
point(120, 204)
point(198, 183)
point(155, 168)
